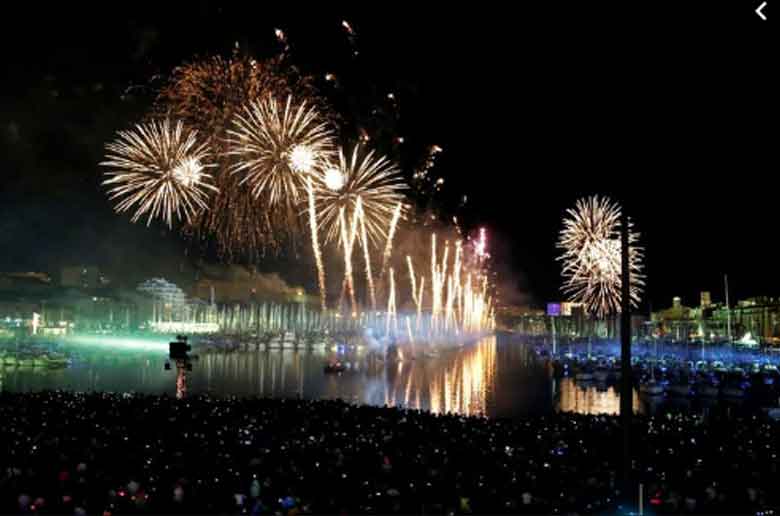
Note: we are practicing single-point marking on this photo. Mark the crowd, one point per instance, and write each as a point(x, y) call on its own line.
point(103, 453)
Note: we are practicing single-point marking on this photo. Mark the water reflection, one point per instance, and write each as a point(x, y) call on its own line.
point(592, 399)
point(259, 373)
point(181, 382)
point(460, 381)
point(495, 377)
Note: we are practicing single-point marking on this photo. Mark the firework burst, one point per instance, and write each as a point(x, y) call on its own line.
point(206, 94)
point(373, 180)
point(278, 146)
point(159, 170)
point(591, 256)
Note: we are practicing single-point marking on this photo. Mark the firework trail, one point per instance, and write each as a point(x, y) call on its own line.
point(282, 38)
point(390, 234)
point(158, 169)
point(420, 179)
point(366, 255)
point(457, 280)
point(391, 314)
point(420, 294)
point(348, 243)
point(351, 36)
point(412, 279)
point(591, 256)
point(315, 244)
point(481, 247)
point(434, 282)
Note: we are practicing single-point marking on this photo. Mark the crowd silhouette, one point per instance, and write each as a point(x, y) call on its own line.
point(109, 453)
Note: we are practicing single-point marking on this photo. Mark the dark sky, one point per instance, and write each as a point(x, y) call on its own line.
point(670, 109)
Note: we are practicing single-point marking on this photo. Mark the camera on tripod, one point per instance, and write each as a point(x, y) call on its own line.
point(178, 351)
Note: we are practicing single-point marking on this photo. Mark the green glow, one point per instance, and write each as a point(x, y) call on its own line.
point(121, 343)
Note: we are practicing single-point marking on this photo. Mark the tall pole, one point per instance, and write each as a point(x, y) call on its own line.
point(728, 309)
point(626, 388)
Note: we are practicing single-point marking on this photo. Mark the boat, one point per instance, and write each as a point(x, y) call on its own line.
point(38, 360)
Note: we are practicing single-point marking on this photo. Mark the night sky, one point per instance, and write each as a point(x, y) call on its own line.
point(671, 111)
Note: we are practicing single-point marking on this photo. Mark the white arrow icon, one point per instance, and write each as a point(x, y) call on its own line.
point(761, 8)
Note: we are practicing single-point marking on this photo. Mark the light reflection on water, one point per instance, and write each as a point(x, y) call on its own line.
point(593, 399)
point(461, 382)
point(493, 377)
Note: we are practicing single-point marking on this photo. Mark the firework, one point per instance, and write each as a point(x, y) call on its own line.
point(481, 244)
point(334, 179)
point(391, 313)
point(158, 169)
point(460, 300)
point(366, 255)
point(206, 94)
point(372, 179)
point(591, 256)
point(278, 146)
point(390, 235)
point(348, 233)
point(434, 282)
point(412, 280)
point(282, 38)
point(315, 244)
point(420, 295)
point(421, 178)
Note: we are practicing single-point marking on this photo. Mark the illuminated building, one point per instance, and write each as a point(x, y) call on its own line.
point(570, 321)
point(168, 302)
point(759, 316)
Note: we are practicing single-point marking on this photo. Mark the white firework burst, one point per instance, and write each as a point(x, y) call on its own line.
point(159, 169)
point(591, 257)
